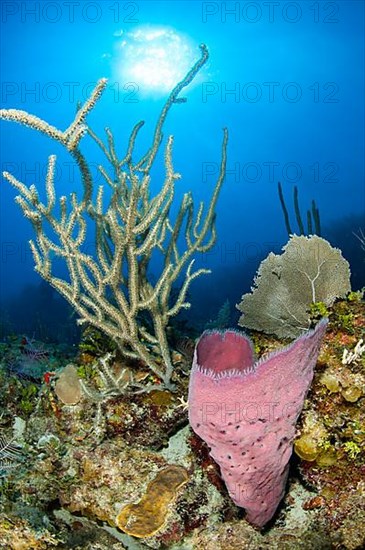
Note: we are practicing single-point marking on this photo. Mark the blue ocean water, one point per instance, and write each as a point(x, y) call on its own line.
point(285, 78)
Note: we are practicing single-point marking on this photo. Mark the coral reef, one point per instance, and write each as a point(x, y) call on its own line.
point(113, 290)
point(82, 465)
point(332, 429)
point(96, 451)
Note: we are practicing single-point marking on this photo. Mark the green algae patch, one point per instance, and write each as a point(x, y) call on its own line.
point(148, 516)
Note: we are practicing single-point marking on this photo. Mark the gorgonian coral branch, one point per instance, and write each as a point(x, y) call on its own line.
point(111, 289)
